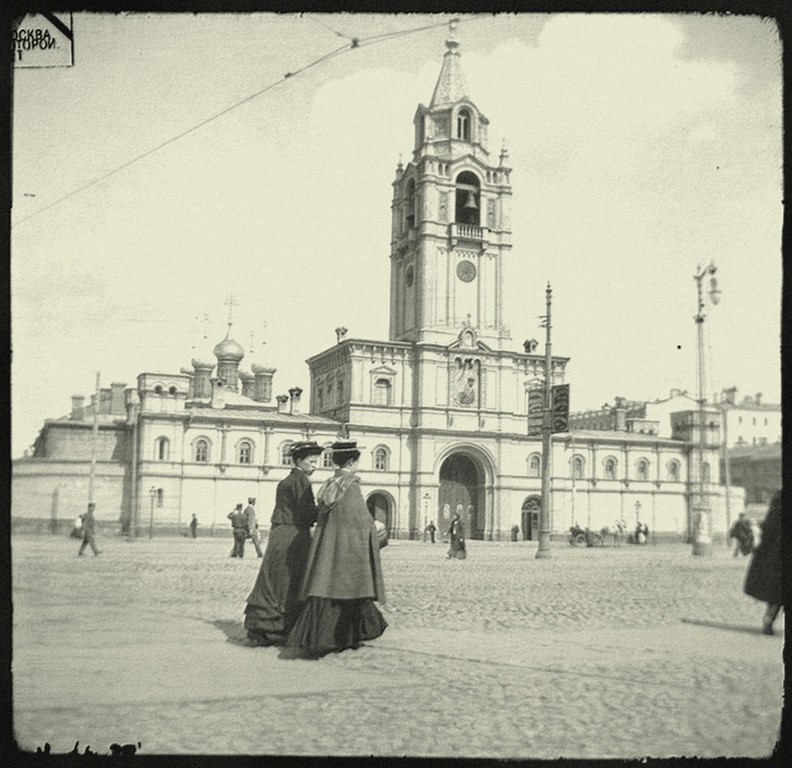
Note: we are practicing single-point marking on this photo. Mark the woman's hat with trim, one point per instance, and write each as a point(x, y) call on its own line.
point(303, 448)
point(343, 446)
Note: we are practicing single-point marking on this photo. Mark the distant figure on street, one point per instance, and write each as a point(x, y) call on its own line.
point(76, 531)
point(641, 533)
point(273, 603)
point(457, 535)
point(194, 526)
point(252, 524)
point(343, 576)
point(763, 580)
point(239, 529)
point(742, 532)
point(431, 529)
point(515, 532)
point(89, 530)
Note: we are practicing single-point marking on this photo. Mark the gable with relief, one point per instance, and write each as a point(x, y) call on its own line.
point(465, 381)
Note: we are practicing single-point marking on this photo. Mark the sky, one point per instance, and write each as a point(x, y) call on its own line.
point(642, 147)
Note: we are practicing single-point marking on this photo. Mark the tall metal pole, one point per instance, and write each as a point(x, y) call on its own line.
point(726, 469)
point(702, 514)
point(544, 513)
point(94, 434)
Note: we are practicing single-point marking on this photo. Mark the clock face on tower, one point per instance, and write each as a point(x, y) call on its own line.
point(466, 271)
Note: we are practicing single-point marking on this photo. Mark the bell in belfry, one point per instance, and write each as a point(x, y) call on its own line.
point(471, 201)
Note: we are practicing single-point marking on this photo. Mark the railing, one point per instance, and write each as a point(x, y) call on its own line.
point(467, 232)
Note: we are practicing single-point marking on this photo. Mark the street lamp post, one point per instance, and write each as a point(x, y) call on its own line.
point(543, 550)
point(152, 495)
point(702, 513)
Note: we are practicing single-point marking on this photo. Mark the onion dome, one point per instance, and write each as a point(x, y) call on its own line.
point(228, 349)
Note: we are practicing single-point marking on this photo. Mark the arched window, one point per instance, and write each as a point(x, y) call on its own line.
point(245, 452)
point(534, 465)
point(673, 471)
point(320, 398)
point(171, 390)
point(160, 497)
point(381, 459)
point(609, 465)
point(468, 199)
point(577, 467)
point(705, 472)
point(162, 449)
point(409, 210)
point(201, 451)
point(382, 392)
point(158, 389)
point(463, 125)
point(285, 454)
point(642, 469)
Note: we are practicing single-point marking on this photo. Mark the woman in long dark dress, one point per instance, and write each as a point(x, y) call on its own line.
point(343, 577)
point(763, 579)
point(273, 604)
point(457, 535)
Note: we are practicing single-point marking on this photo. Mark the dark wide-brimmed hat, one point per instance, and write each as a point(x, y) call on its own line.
point(342, 451)
point(303, 448)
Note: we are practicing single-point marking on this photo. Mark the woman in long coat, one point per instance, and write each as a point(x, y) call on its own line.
point(343, 577)
point(763, 580)
point(273, 605)
point(457, 534)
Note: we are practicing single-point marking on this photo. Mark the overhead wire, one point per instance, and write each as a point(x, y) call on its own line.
point(354, 43)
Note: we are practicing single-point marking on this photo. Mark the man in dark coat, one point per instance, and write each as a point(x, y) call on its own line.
point(89, 530)
point(273, 604)
point(743, 533)
point(431, 529)
point(763, 580)
point(239, 529)
point(252, 524)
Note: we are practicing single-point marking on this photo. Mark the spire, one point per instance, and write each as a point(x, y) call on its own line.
point(451, 84)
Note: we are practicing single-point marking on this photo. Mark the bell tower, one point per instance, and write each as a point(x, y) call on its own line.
point(451, 222)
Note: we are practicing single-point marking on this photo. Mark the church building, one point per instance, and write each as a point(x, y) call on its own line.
point(441, 407)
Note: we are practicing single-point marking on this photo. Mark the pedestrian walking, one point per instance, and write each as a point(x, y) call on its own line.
point(431, 529)
point(252, 524)
point(742, 533)
point(515, 532)
point(89, 530)
point(763, 579)
point(194, 526)
point(239, 529)
point(343, 576)
point(457, 535)
point(273, 604)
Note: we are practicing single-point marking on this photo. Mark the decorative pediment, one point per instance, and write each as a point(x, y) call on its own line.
point(468, 339)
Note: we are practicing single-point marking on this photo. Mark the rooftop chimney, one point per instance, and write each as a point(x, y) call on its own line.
point(282, 400)
point(295, 393)
point(77, 406)
point(758, 398)
point(117, 398)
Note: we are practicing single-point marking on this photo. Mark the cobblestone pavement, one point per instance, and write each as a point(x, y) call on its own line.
point(593, 653)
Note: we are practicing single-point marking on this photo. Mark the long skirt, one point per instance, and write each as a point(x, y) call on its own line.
point(273, 605)
point(457, 548)
point(326, 626)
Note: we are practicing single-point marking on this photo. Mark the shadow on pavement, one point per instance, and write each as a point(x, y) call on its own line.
point(721, 625)
point(233, 630)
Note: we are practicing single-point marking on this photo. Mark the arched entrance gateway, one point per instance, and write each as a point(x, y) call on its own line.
point(462, 490)
point(530, 517)
point(379, 505)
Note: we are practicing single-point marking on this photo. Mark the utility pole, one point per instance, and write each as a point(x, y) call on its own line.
point(94, 435)
point(544, 513)
point(702, 513)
